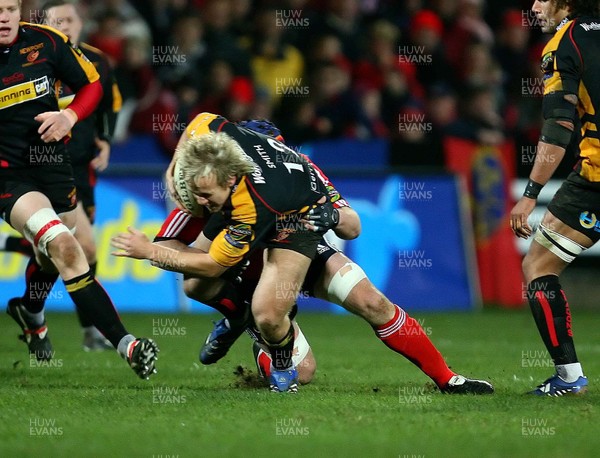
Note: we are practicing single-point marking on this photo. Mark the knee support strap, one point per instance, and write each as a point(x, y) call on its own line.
point(563, 247)
point(43, 227)
point(343, 281)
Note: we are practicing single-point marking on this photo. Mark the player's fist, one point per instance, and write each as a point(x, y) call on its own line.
point(55, 124)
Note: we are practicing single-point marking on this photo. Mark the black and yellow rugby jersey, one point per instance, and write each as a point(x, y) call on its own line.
point(571, 63)
point(30, 70)
point(101, 123)
point(265, 201)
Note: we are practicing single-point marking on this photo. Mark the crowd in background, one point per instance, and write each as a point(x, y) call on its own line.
point(409, 71)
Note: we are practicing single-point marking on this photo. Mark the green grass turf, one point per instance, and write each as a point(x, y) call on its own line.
point(365, 400)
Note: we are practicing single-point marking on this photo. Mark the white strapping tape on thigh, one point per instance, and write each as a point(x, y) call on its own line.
point(343, 281)
point(43, 227)
point(563, 247)
point(301, 346)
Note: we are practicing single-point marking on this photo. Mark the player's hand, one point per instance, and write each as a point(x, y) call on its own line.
point(100, 162)
point(519, 215)
point(322, 217)
point(132, 244)
point(55, 124)
point(234, 273)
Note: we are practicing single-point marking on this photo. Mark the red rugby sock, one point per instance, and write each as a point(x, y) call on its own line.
point(405, 335)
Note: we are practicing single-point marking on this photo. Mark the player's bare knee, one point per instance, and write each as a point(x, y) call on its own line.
point(268, 321)
point(191, 290)
point(201, 290)
point(65, 248)
point(379, 308)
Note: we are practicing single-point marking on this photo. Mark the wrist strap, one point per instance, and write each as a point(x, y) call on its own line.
point(532, 190)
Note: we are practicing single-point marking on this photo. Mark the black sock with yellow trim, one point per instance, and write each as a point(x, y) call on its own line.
point(94, 302)
point(281, 352)
point(84, 320)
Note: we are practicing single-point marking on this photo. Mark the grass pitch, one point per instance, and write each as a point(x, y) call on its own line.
point(364, 401)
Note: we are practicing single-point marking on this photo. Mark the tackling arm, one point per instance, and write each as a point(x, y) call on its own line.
point(166, 255)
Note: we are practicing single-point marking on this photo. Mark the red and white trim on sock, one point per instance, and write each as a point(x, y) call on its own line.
point(392, 326)
point(404, 335)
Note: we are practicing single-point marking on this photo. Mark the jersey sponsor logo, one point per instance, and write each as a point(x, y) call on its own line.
point(241, 232)
point(589, 220)
point(24, 92)
point(283, 234)
point(590, 26)
point(32, 56)
point(239, 235)
point(14, 78)
point(29, 49)
point(322, 248)
point(32, 59)
point(547, 64)
point(333, 193)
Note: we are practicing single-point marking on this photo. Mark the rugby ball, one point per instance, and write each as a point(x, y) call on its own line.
point(184, 193)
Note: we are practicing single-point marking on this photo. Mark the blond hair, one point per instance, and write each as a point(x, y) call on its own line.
point(215, 154)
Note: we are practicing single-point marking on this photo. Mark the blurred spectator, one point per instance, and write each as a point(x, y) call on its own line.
point(185, 54)
point(160, 16)
point(220, 40)
point(342, 19)
point(383, 59)
point(479, 119)
point(241, 17)
point(297, 119)
point(152, 109)
point(277, 67)
point(415, 145)
point(426, 49)
point(479, 67)
point(337, 110)
point(441, 108)
point(133, 25)
point(225, 93)
point(328, 49)
point(109, 35)
point(446, 11)
point(468, 27)
point(371, 105)
point(512, 52)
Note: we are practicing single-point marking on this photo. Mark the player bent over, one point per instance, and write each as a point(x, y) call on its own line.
point(37, 192)
point(220, 163)
point(332, 277)
point(232, 297)
point(341, 281)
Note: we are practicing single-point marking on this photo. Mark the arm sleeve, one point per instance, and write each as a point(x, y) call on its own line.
point(86, 100)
